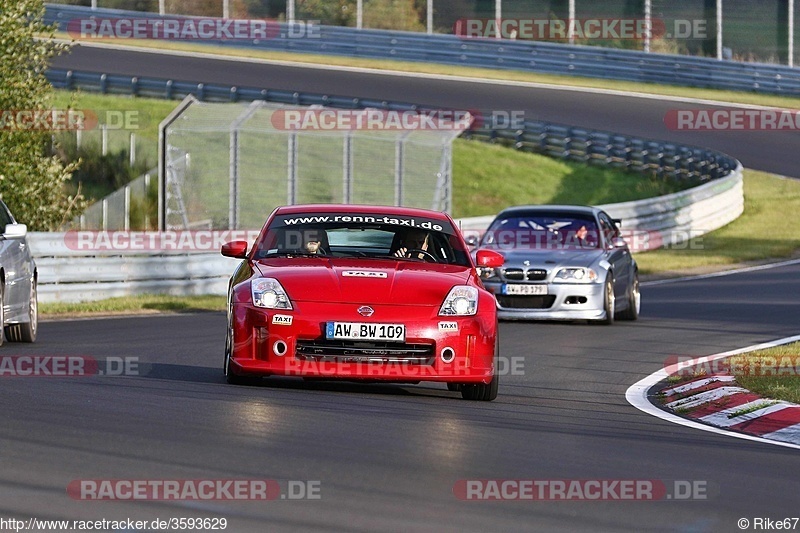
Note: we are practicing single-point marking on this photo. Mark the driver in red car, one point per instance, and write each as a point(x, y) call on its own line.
point(413, 240)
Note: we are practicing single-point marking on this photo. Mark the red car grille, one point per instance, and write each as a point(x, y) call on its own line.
point(379, 352)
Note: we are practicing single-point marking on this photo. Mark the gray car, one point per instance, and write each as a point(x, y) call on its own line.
point(19, 309)
point(561, 263)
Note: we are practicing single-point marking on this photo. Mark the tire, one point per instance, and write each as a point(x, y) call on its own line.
point(454, 387)
point(609, 301)
point(480, 391)
point(634, 301)
point(2, 312)
point(26, 332)
point(230, 376)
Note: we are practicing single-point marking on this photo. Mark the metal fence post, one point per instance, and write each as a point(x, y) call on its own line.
point(105, 214)
point(429, 17)
point(719, 29)
point(571, 22)
point(146, 201)
point(233, 175)
point(791, 33)
point(498, 13)
point(648, 24)
point(291, 186)
point(104, 139)
point(347, 168)
point(127, 221)
point(399, 150)
point(132, 153)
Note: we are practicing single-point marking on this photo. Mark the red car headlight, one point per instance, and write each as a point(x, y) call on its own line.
point(268, 293)
point(461, 301)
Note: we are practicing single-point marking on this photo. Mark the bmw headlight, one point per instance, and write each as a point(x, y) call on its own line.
point(461, 301)
point(486, 272)
point(575, 275)
point(268, 293)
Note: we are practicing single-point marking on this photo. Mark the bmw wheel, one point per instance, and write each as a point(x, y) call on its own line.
point(609, 301)
point(634, 300)
point(26, 331)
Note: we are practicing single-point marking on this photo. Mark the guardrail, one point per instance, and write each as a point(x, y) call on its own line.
point(71, 272)
point(68, 273)
point(550, 58)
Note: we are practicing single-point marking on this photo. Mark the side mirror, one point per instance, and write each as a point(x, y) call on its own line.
point(236, 249)
point(15, 231)
point(619, 242)
point(471, 240)
point(489, 258)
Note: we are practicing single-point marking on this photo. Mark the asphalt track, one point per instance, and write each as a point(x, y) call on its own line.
point(387, 457)
point(770, 151)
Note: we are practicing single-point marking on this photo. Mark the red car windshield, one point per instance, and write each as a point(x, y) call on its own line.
point(375, 235)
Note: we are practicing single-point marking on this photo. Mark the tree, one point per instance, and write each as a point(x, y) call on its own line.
point(32, 182)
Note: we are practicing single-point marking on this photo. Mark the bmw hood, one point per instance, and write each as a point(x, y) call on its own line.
point(364, 282)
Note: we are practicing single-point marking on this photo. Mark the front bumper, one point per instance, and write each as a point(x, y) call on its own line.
point(299, 348)
point(564, 301)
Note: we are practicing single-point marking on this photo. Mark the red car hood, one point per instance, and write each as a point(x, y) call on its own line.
point(364, 281)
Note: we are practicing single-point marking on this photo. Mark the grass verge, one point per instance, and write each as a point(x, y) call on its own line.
point(141, 304)
point(455, 70)
point(761, 233)
point(488, 178)
point(772, 373)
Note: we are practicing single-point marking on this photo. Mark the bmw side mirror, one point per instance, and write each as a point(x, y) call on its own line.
point(15, 231)
point(619, 242)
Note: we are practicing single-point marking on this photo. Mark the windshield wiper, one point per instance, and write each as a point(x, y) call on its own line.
point(292, 253)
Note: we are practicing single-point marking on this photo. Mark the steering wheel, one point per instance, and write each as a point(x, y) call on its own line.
point(411, 253)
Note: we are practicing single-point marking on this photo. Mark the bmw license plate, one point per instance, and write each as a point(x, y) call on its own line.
point(365, 331)
point(524, 290)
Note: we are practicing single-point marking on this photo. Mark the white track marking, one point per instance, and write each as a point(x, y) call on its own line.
point(704, 397)
point(790, 434)
point(680, 389)
point(723, 418)
point(637, 397)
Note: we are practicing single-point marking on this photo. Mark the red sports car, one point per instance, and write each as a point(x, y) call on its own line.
point(362, 293)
